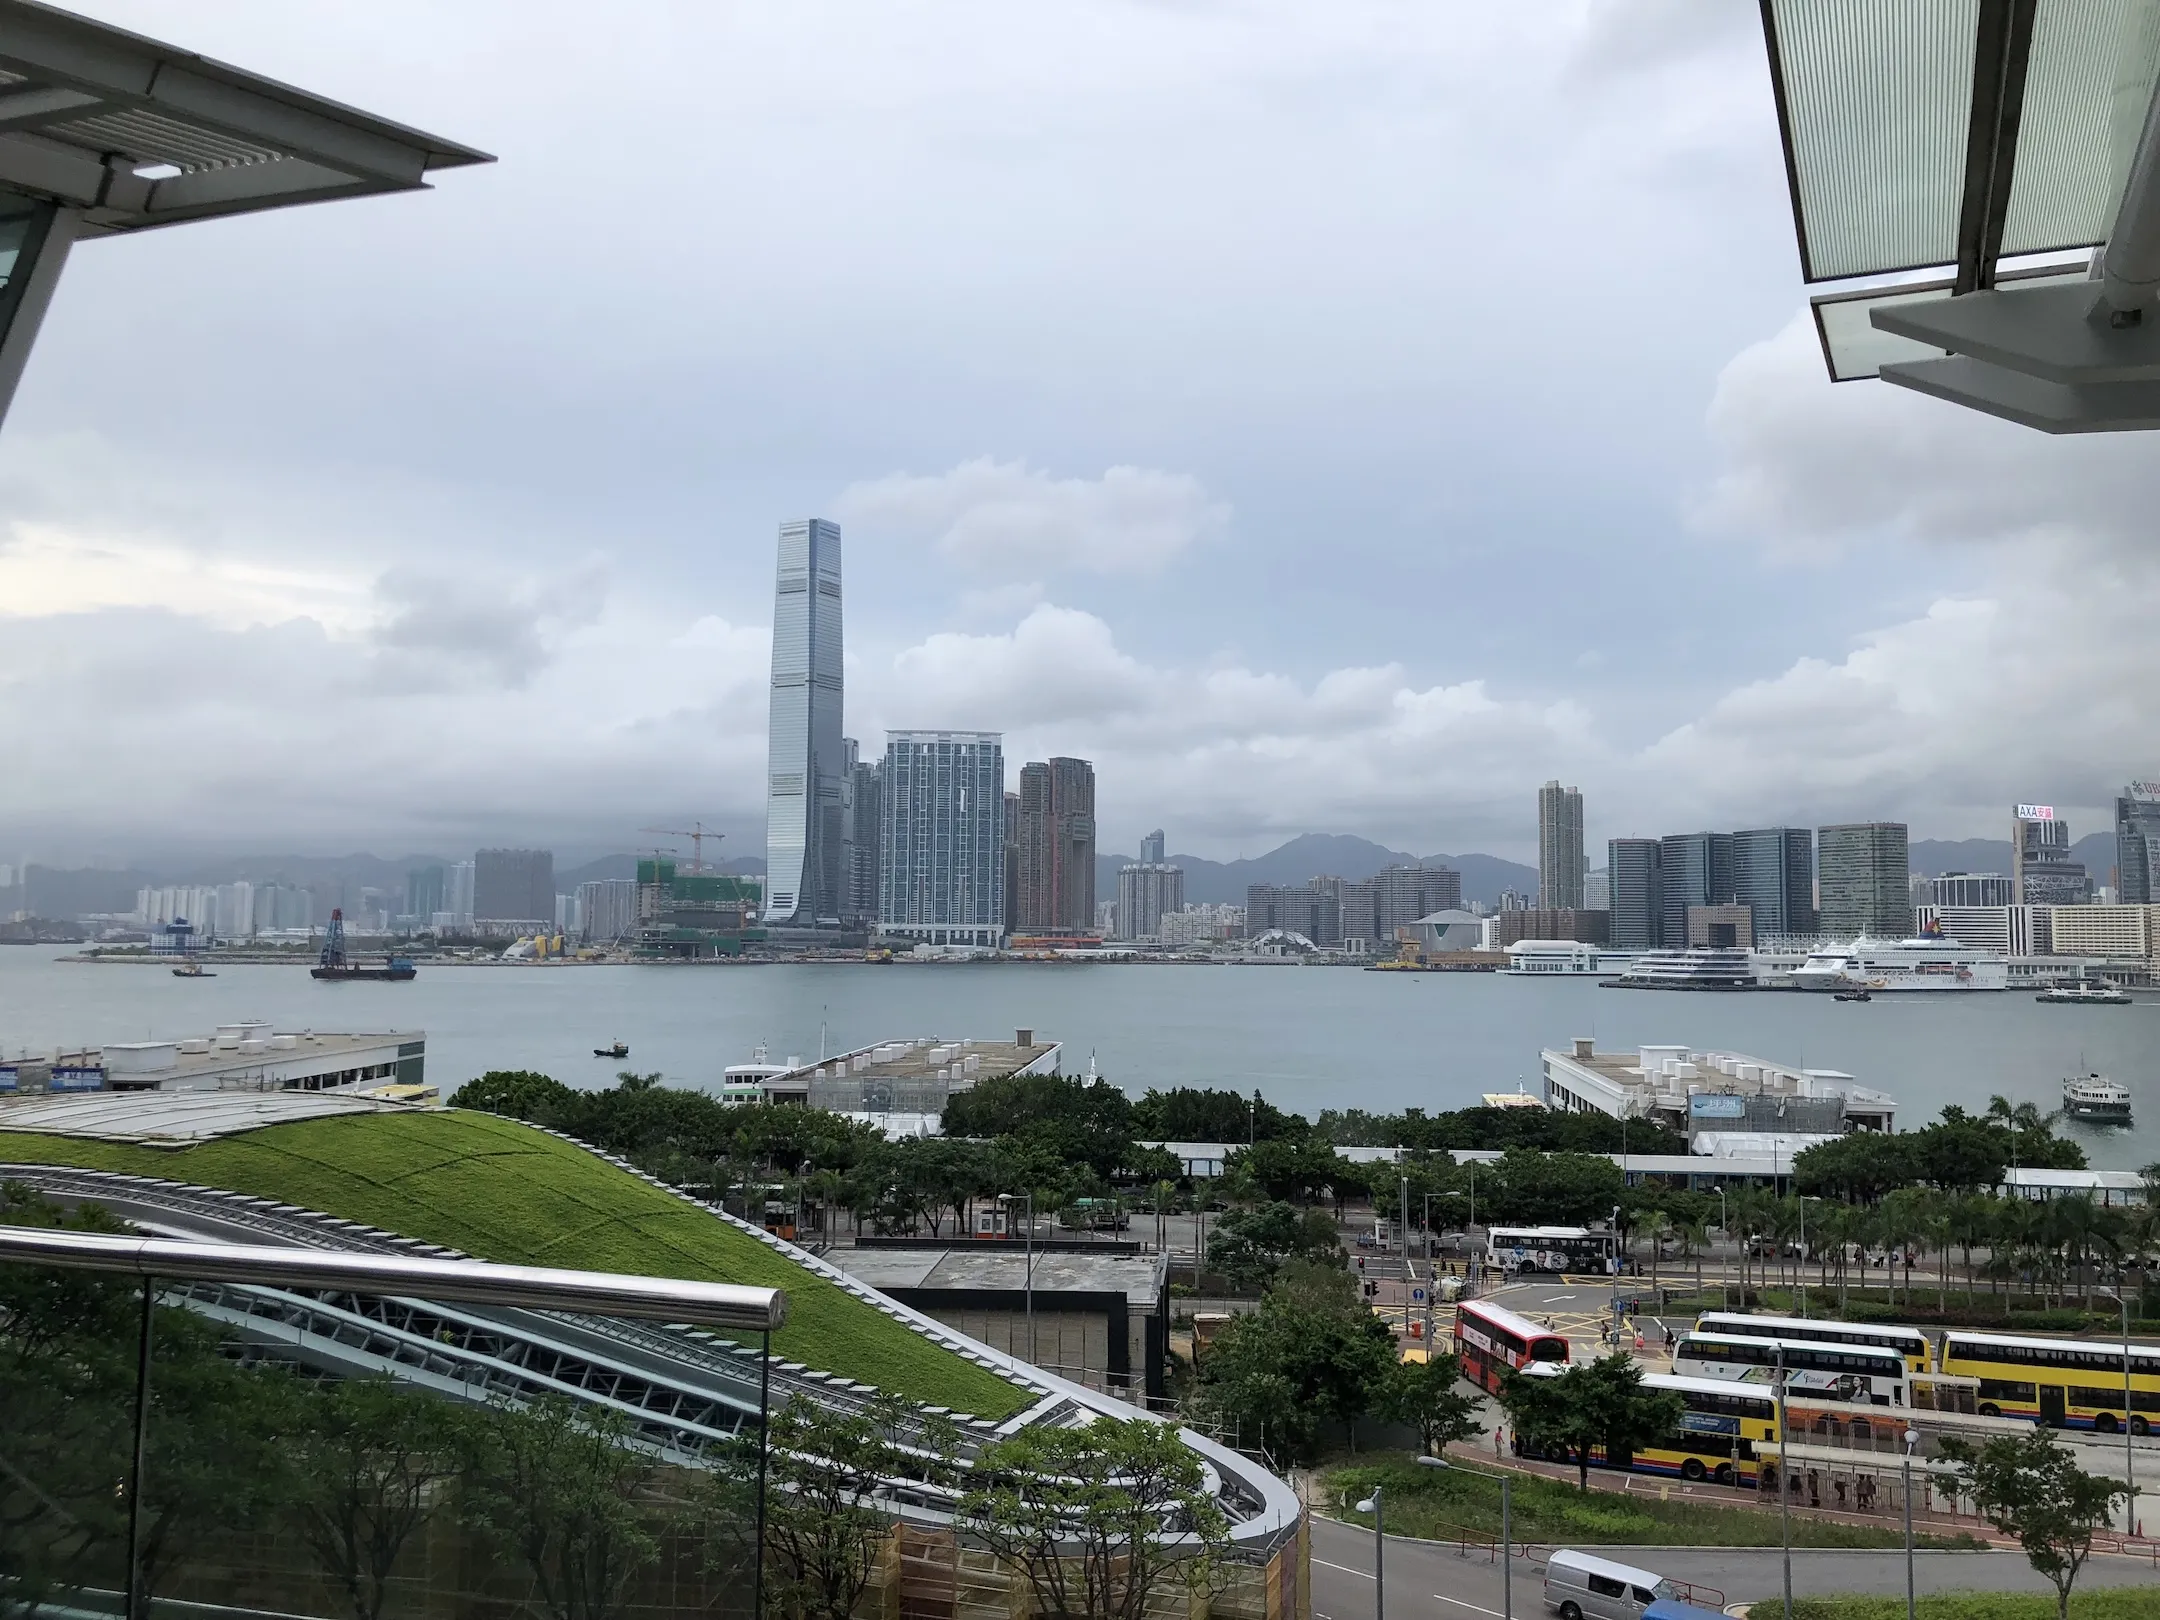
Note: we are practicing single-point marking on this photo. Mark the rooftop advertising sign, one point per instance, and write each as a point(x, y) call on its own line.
point(2147, 791)
point(2036, 812)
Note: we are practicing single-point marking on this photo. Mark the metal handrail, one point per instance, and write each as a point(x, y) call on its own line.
point(474, 1282)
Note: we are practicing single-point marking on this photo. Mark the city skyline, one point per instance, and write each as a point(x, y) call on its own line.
point(1155, 533)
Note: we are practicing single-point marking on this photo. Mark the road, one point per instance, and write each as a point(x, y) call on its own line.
point(1432, 1582)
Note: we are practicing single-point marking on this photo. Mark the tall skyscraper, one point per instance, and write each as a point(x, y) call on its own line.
point(1637, 914)
point(1146, 893)
point(1403, 894)
point(1560, 847)
point(858, 834)
point(803, 804)
point(1773, 874)
point(514, 885)
point(1057, 847)
point(2041, 870)
point(1863, 875)
point(1151, 850)
point(2137, 844)
point(1012, 864)
point(941, 845)
point(1694, 869)
point(427, 891)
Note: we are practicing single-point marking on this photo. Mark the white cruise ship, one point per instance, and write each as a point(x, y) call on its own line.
point(1927, 963)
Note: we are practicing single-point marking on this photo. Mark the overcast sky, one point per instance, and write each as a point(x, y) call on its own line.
point(1336, 417)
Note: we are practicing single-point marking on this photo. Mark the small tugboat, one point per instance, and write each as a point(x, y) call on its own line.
point(1857, 993)
point(2096, 1100)
point(620, 1049)
point(192, 969)
point(2082, 994)
point(335, 964)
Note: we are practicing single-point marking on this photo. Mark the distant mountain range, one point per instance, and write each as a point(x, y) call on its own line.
point(338, 879)
point(1314, 855)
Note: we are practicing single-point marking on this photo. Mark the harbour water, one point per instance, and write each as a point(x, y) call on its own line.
point(1310, 1038)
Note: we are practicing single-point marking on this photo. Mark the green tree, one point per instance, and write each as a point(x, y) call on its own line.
point(516, 1093)
point(556, 1485)
point(1312, 1352)
point(1108, 1522)
point(2030, 1488)
point(1858, 1168)
point(1428, 1396)
point(368, 1470)
point(1248, 1247)
point(1528, 1187)
point(1193, 1114)
point(824, 1524)
point(1601, 1404)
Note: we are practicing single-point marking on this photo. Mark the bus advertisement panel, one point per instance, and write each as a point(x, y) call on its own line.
point(1491, 1341)
point(1548, 1248)
point(1845, 1372)
point(1910, 1343)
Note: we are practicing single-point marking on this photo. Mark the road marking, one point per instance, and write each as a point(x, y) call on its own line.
point(1345, 1568)
point(1460, 1604)
point(1557, 1298)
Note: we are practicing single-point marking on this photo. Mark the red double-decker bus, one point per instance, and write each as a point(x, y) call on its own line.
point(1490, 1339)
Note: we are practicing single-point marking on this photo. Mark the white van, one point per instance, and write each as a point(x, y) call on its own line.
point(1582, 1587)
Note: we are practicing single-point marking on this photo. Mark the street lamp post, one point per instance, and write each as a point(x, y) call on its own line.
point(1784, 1480)
point(1724, 1226)
point(1912, 1440)
point(1372, 1505)
point(1407, 1277)
point(1008, 1200)
point(1507, 1528)
point(1432, 1271)
point(2122, 1298)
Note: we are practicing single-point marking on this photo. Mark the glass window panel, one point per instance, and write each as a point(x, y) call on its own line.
point(1877, 99)
point(1854, 349)
point(2088, 83)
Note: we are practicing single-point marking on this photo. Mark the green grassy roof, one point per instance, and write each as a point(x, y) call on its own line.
point(503, 1191)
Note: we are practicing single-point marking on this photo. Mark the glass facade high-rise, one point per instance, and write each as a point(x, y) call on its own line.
point(1636, 921)
point(1773, 874)
point(2137, 844)
point(1694, 869)
point(1864, 879)
point(1151, 849)
point(941, 843)
point(803, 803)
point(1560, 847)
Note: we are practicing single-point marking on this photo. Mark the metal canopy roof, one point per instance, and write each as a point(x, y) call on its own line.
point(1951, 136)
point(1953, 132)
point(137, 134)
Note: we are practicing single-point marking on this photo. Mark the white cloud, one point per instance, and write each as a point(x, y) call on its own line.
point(2030, 680)
point(1233, 753)
point(1009, 520)
point(1816, 468)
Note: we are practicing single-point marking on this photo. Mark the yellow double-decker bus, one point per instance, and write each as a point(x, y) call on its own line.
point(2063, 1383)
point(1719, 1429)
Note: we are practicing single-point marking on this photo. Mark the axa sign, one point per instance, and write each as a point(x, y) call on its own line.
point(2036, 812)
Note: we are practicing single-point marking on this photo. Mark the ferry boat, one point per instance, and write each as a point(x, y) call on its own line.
point(2085, 995)
point(1539, 958)
point(2096, 1100)
point(1928, 963)
point(1716, 968)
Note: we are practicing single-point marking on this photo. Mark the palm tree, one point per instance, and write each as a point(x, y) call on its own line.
point(1973, 1220)
point(1899, 1229)
point(1657, 1226)
point(1694, 1238)
point(1840, 1226)
point(1936, 1229)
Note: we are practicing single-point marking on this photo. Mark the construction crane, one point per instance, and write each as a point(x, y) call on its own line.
point(697, 835)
